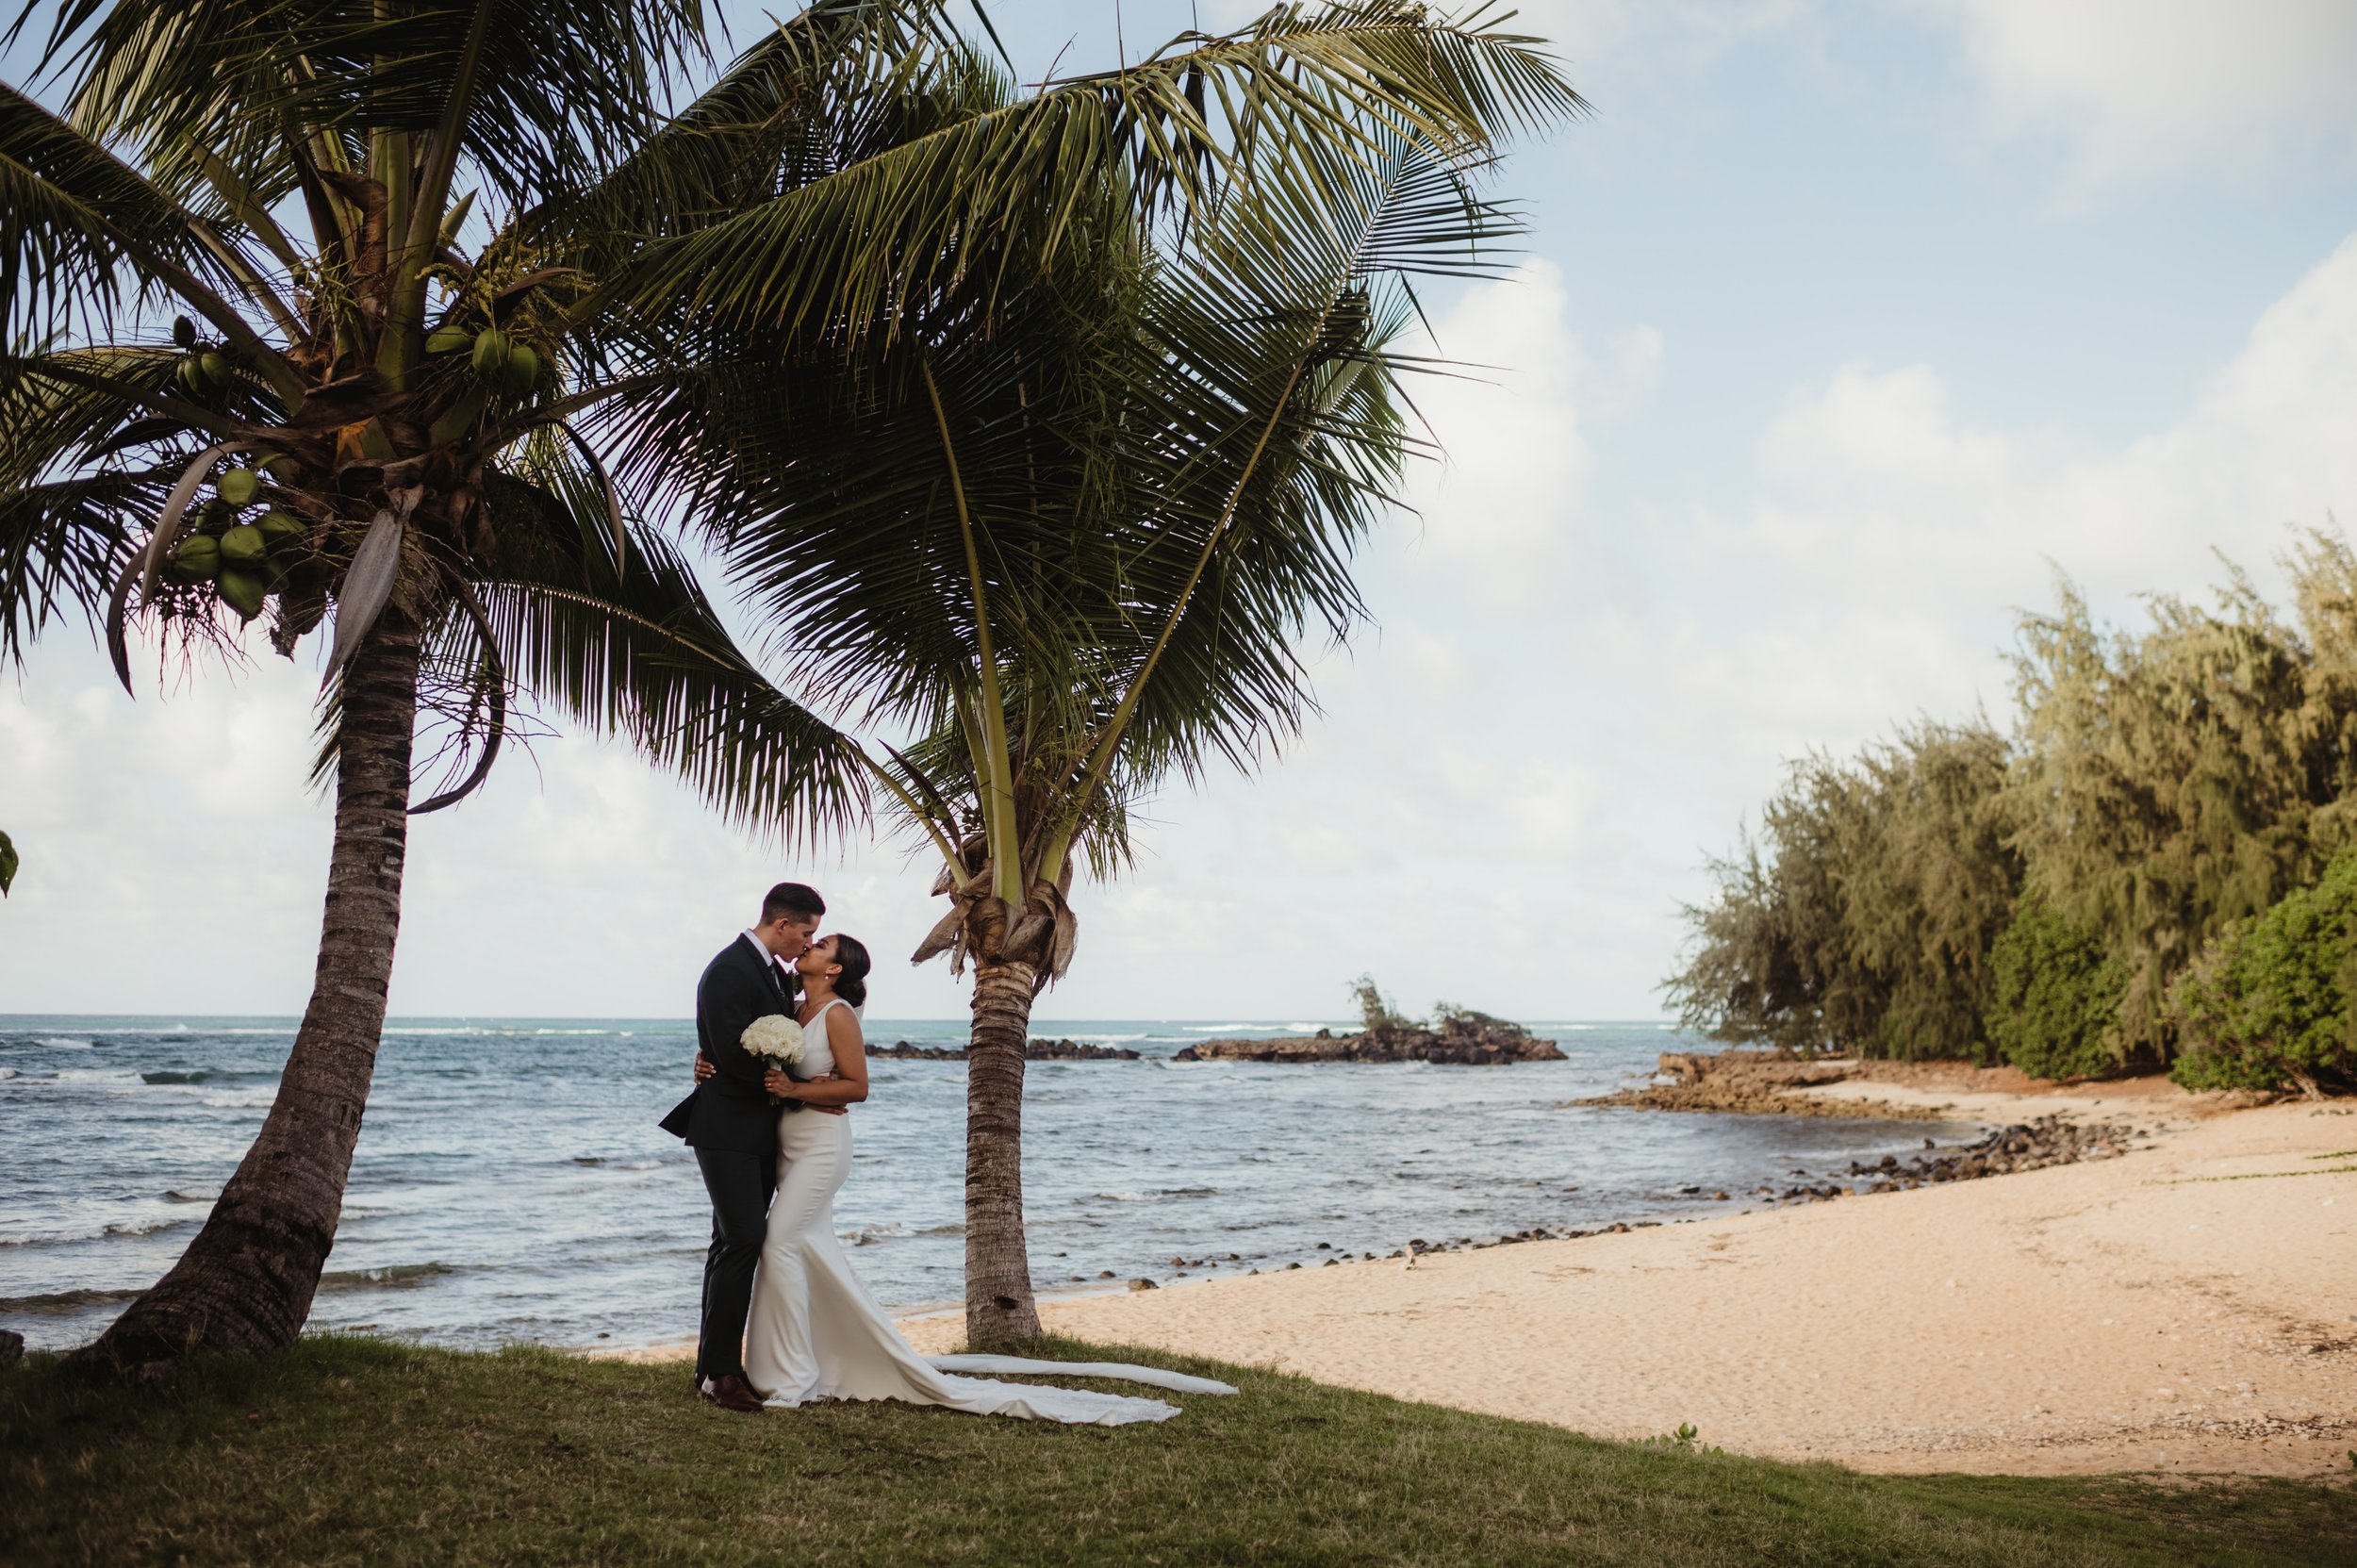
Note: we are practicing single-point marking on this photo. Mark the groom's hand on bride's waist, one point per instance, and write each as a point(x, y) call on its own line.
point(703, 1067)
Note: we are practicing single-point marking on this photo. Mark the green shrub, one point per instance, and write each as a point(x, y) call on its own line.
point(1860, 918)
point(2267, 1004)
point(1375, 1012)
point(2055, 1012)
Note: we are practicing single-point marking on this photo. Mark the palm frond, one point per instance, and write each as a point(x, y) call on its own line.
point(84, 235)
point(62, 545)
point(642, 654)
point(50, 425)
point(1299, 95)
point(815, 93)
point(546, 92)
point(1281, 444)
point(81, 475)
point(845, 530)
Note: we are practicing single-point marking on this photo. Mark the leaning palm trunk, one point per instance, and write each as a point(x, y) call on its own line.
point(998, 1305)
point(245, 1284)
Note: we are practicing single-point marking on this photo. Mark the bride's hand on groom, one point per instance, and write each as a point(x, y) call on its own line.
point(775, 1082)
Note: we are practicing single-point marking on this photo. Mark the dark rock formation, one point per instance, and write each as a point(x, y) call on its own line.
point(1466, 1038)
point(1038, 1051)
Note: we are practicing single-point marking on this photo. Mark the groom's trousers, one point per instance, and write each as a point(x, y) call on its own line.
point(740, 1184)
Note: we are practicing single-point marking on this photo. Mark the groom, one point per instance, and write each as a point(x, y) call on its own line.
point(733, 1126)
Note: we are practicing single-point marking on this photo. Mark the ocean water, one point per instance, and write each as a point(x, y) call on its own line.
point(511, 1184)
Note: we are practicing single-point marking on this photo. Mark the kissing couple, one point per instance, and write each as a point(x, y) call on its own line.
point(785, 1320)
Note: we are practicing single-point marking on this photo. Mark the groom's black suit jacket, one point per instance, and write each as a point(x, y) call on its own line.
point(731, 1109)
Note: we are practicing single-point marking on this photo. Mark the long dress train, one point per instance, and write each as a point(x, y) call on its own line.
point(816, 1333)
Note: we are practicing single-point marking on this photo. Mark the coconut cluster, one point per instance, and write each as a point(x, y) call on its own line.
point(243, 552)
point(203, 370)
point(252, 538)
point(512, 366)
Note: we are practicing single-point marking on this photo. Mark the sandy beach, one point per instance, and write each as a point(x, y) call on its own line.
point(2190, 1306)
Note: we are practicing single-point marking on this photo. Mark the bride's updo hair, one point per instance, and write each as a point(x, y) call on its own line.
point(851, 984)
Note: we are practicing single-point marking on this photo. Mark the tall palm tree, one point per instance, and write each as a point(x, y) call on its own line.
point(1062, 561)
point(429, 325)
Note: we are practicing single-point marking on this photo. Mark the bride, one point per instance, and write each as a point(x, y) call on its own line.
point(815, 1333)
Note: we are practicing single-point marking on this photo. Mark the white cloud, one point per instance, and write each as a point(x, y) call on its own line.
point(2152, 86)
point(1503, 514)
point(1430, 665)
point(1877, 487)
point(179, 833)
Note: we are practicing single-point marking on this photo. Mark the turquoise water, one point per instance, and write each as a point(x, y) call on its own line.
point(511, 1184)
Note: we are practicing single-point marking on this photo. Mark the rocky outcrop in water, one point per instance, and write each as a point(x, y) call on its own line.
point(1470, 1041)
point(1038, 1051)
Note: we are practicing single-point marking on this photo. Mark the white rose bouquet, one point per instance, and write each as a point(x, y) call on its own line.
point(774, 1038)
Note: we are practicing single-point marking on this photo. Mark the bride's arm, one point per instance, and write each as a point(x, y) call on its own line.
point(847, 1084)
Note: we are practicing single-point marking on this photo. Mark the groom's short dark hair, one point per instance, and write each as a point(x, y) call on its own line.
point(797, 899)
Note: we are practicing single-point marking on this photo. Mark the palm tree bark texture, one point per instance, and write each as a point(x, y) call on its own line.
point(999, 1302)
point(247, 1281)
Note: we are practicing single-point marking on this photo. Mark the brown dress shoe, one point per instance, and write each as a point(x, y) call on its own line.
point(732, 1393)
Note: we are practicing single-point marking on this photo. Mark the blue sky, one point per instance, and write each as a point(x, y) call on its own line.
point(1840, 328)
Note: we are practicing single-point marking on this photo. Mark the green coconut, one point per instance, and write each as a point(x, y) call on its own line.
point(197, 560)
point(490, 352)
point(448, 339)
point(213, 368)
point(278, 527)
point(239, 487)
point(523, 369)
point(243, 592)
point(183, 333)
point(243, 546)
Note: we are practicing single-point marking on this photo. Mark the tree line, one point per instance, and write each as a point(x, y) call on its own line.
point(2155, 866)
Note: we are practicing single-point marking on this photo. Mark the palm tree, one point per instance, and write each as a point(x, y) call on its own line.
point(1062, 561)
point(427, 324)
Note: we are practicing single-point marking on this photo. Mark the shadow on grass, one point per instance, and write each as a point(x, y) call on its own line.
point(360, 1451)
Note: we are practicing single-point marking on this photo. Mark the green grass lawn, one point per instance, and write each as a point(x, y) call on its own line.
point(354, 1451)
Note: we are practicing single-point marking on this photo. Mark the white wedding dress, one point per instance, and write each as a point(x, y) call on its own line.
point(815, 1333)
